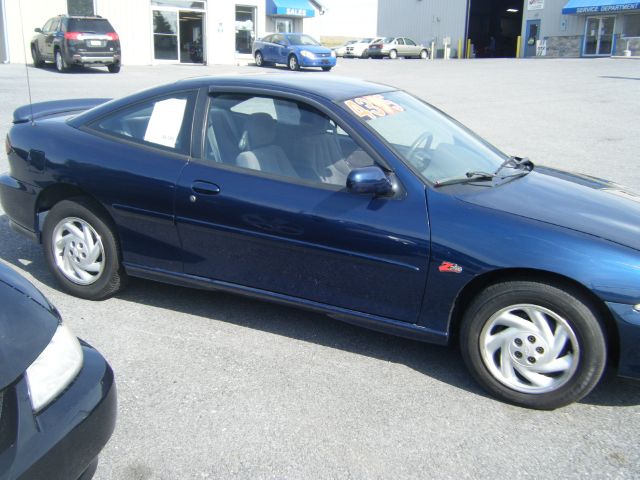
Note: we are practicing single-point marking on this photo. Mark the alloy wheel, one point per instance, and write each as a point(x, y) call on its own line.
point(78, 251)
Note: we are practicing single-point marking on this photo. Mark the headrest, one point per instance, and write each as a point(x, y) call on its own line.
point(314, 120)
point(260, 130)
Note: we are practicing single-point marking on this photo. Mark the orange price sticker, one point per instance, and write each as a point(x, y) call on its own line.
point(371, 107)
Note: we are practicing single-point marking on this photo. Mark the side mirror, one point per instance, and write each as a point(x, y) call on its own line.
point(37, 30)
point(369, 180)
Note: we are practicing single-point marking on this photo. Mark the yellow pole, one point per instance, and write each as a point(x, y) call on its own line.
point(459, 48)
point(468, 48)
point(518, 46)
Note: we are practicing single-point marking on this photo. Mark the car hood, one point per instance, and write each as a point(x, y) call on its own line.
point(27, 324)
point(579, 202)
point(313, 48)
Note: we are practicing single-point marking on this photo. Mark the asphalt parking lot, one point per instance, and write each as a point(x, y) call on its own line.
point(218, 386)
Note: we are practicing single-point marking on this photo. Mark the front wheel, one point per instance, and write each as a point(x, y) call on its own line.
point(365, 53)
point(37, 59)
point(82, 250)
point(293, 63)
point(393, 54)
point(534, 344)
point(326, 69)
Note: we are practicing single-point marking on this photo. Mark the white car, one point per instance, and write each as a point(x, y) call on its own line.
point(340, 51)
point(360, 49)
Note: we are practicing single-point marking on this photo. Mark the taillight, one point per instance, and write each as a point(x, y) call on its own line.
point(113, 36)
point(72, 35)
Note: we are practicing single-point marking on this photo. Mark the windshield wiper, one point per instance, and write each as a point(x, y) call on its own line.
point(468, 177)
point(515, 162)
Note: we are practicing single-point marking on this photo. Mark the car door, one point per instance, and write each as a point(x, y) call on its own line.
point(277, 227)
point(411, 48)
point(398, 45)
point(281, 48)
point(50, 37)
point(141, 150)
point(42, 37)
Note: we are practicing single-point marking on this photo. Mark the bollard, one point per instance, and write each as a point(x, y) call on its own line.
point(518, 46)
point(459, 48)
point(433, 50)
point(468, 48)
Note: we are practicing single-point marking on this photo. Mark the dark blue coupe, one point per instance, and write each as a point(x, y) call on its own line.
point(294, 50)
point(349, 198)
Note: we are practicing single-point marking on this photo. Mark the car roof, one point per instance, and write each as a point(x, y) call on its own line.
point(330, 87)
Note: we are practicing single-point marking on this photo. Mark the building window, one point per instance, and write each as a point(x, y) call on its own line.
point(631, 26)
point(83, 8)
point(165, 35)
point(245, 28)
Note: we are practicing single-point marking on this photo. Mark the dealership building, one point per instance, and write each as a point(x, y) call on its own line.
point(166, 31)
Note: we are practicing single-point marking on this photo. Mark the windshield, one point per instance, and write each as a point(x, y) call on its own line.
point(301, 40)
point(437, 146)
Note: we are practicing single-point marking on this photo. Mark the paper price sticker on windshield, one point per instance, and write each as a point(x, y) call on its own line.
point(371, 107)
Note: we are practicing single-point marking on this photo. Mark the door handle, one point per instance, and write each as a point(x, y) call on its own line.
point(205, 188)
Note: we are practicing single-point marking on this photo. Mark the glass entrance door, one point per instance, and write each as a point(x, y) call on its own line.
point(598, 36)
point(284, 25)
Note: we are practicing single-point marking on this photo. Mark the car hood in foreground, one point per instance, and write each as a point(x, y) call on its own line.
point(27, 324)
point(579, 202)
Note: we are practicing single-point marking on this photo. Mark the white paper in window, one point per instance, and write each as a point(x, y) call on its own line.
point(165, 122)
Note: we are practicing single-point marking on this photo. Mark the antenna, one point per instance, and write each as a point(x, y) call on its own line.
point(24, 51)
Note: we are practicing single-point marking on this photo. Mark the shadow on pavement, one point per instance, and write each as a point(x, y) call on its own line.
point(441, 363)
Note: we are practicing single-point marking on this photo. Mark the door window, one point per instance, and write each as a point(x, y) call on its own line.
point(399, 41)
point(408, 41)
point(48, 25)
point(280, 137)
point(163, 122)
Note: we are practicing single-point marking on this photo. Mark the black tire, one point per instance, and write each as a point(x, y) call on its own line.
point(424, 54)
point(292, 63)
point(574, 331)
point(37, 59)
point(365, 53)
point(112, 277)
point(326, 69)
point(393, 54)
point(61, 65)
point(113, 68)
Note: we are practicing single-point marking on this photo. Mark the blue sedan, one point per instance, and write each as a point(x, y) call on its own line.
point(344, 197)
point(294, 50)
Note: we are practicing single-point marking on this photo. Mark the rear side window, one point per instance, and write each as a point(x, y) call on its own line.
point(162, 122)
point(89, 25)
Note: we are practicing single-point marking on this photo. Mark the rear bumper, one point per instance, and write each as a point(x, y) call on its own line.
point(64, 440)
point(85, 59)
point(628, 323)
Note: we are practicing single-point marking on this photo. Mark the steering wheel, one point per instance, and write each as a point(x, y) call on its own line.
point(420, 159)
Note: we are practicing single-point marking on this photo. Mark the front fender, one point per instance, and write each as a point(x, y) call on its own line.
point(481, 240)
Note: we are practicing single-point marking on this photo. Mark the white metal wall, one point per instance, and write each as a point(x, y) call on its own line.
point(423, 20)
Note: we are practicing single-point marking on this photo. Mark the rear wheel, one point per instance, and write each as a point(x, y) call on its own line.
point(61, 65)
point(113, 68)
point(82, 250)
point(293, 63)
point(365, 53)
point(393, 54)
point(534, 344)
point(37, 59)
point(259, 59)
